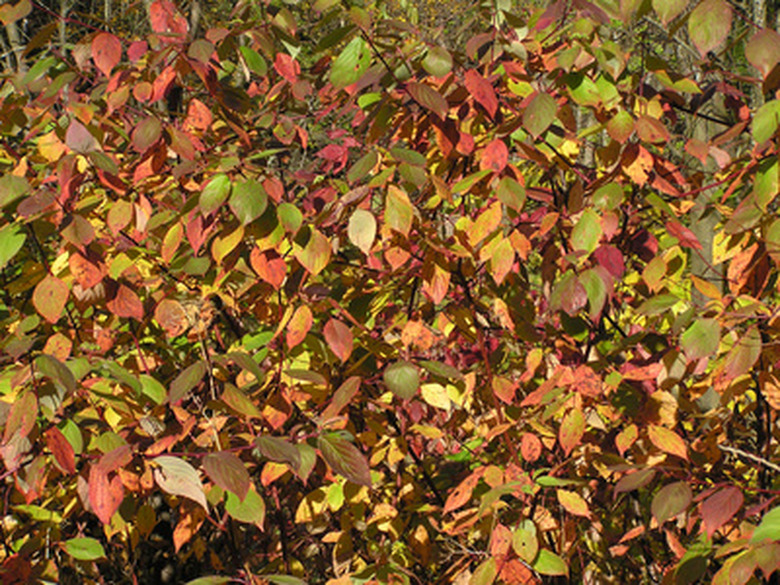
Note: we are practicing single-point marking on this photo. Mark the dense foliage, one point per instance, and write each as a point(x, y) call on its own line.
point(313, 298)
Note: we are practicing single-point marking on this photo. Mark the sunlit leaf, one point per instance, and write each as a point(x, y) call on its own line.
point(178, 478)
point(84, 549)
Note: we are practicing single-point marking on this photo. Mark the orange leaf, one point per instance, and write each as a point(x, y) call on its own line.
point(571, 431)
point(299, 326)
point(482, 91)
point(339, 338)
point(668, 441)
point(530, 447)
point(106, 52)
point(462, 494)
point(126, 303)
point(49, 298)
point(495, 156)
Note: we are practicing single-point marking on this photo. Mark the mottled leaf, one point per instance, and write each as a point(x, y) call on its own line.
point(227, 471)
point(344, 458)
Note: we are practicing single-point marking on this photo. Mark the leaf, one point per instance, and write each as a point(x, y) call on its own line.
point(280, 450)
point(186, 381)
point(284, 580)
point(571, 430)
point(125, 303)
point(539, 114)
point(719, 508)
point(79, 139)
point(766, 121)
point(351, 64)
point(744, 355)
point(435, 395)
point(269, 266)
point(105, 493)
point(172, 317)
point(671, 500)
point(214, 194)
point(166, 20)
point(763, 51)
point(12, 238)
point(620, 127)
point(429, 98)
point(709, 25)
point(463, 493)
point(299, 325)
point(530, 447)
point(315, 256)
point(239, 402)
point(485, 573)
point(342, 397)
point(402, 378)
point(339, 339)
point(227, 471)
point(525, 542)
point(254, 61)
point(482, 91)
point(548, 563)
point(57, 372)
point(573, 503)
point(344, 458)
point(437, 61)
point(106, 52)
point(22, 415)
point(250, 510)
point(362, 230)
point(61, 449)
point(686, 237)
point(667, 10)
point(211, 579)
point(248, 200)
point(49, 298)
point(84, 549)
point(495, 156)
point(11, 189)
point(701, 339)
point(587, 233)
point(178, 478)
point(634, 481)
point(769, 527)
point(398, 210)
point(668, 441)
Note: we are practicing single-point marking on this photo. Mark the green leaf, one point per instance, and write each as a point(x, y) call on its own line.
point(351, 64)
point(280, 450)
point(763, 50)
point(485, 573)
point(344, 458)
point(769, 527)
point(11, 189)
point(539, 114)
point(248, 201)
point(701, 339)
point(227, 471)
point(254, 61)
point(709, 25)
point(284, 580)
point(290, 217)
point(671, 500)
point(84, 549)
point(239, 402)
point(250, 510)
point(766, 121)
point(402, 378)
point(587, 233)
point(214, 194)
point(549, 563)
point(186, 381)
point(315, 255)
point(57, 372)
point(525, 542)
point(437, 61)
point(667, 10)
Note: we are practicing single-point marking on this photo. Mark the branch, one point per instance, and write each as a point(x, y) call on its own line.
point(746, 455)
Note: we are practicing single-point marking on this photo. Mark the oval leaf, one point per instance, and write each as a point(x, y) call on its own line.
point(227, 471)
point(344, 458)
point(178, 478)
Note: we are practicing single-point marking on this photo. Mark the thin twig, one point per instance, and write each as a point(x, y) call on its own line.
point(746, 455)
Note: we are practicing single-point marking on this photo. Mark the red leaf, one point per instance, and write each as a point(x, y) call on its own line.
point(79, 139)
point(719, 508)
point(228, 472)
point(287, 67)
point(106, 52)
point(198, 115)
point(126, 303)
point(49, 298)
point(482, 91)
point(429, 98)
point(610, 258)
point(61, 449)
point(495, 156)
point(687, 237)
point(166, 20)
point(345, 458)
point(105, 496)
point(339, 338)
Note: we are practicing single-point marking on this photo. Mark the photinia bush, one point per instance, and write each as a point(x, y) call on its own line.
point(311, 298)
